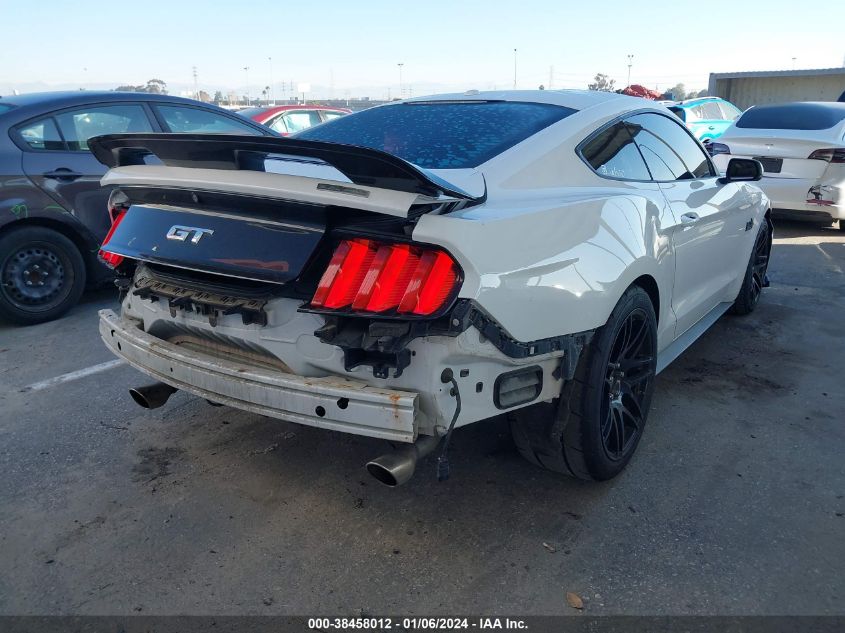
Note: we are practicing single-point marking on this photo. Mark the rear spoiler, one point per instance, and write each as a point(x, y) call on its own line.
point(361, 165)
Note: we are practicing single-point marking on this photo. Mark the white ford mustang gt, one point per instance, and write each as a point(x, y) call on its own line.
point(419, 266)
point(802, 149)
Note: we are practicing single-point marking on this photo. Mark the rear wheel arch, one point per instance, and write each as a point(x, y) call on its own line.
point(649, 284)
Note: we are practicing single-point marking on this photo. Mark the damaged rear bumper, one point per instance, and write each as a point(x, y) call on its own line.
point(331, 402)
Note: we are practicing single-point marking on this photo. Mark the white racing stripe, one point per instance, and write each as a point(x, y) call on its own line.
point(74, 375)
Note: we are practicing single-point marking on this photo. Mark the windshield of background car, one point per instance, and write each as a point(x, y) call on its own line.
point(792, 116)
point(441, 135)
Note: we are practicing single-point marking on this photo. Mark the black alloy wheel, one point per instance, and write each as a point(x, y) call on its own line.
point(629, 373)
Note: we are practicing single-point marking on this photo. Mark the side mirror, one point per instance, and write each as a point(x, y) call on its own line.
point(742, 170)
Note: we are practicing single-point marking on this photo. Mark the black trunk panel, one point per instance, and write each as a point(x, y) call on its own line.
point(248, 246)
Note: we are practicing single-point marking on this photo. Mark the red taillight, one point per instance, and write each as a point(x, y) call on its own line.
point(112, 259)
point(832, 155)
point(367, 276)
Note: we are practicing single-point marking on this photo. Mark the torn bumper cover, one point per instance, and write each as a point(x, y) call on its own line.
point(332, 402)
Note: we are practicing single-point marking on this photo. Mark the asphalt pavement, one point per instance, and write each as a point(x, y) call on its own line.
point(732, 505)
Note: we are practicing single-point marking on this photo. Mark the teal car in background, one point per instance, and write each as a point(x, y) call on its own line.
point(706, 117)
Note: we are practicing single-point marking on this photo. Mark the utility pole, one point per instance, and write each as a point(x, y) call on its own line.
point(400, 64)
point(246, 70)
point(196, 87)
point(551, 76)
point(630, 63)
point(514, 69)
point(272, 90)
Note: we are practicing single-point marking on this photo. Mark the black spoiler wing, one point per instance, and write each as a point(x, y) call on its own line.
point(362, 165)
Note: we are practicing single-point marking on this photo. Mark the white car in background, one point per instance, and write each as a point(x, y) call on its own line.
point(802, 149)
point(427, 264)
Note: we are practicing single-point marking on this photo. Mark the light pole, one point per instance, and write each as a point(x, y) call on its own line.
point(196, 86)
point(400, 64)
point(793, 62)
point(630, 63)
point(514, 69)
point(246, 70)
point(272, 90)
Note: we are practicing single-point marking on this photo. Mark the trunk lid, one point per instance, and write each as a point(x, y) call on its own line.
point(250, 207)
point(783, 153)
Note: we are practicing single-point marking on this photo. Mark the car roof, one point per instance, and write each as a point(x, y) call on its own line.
point(36, 102)
point(575, 99)
point(697, 100)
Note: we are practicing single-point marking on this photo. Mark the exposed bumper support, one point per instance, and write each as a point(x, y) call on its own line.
point(330, 402)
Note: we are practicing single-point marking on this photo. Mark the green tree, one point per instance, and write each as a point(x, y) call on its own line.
point(156, 86)
point(218, 97)
point(602, 83)
point(678, 92)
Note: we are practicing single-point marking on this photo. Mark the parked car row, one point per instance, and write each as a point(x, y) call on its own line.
point(53, 212)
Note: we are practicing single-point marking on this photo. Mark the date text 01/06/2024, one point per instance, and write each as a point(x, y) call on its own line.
point(415, 624)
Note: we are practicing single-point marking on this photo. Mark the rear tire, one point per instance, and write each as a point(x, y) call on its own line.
point(755, 273)
point(842, 225)
point(593, 428)
point(42, 275)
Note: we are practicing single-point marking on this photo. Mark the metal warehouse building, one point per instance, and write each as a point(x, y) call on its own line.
point(776, 86)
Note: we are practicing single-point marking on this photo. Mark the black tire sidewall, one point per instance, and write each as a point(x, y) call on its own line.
point(601, 467)
point(65, 250)
point(745, 301)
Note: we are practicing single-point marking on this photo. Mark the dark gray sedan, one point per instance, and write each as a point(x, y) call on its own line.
point(53, 212)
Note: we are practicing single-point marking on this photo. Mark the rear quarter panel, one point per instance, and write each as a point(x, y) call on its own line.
point(559, 262)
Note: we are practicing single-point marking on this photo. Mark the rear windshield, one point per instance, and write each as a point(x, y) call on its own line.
point(793, 116)
point(446, 135)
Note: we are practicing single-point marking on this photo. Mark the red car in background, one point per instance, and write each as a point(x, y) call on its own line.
point(288, 119)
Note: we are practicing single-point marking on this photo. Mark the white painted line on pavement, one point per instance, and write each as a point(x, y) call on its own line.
point(74, 375)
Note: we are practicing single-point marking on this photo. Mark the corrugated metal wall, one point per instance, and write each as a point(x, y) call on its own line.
point(748, 91)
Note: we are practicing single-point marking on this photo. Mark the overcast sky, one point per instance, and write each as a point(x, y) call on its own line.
point(355, 45)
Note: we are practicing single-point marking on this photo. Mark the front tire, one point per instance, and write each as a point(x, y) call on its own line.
point(42, 275)
point(593, 428)
point(755, 273)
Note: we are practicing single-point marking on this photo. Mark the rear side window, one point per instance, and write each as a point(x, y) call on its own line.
point(441, 135)
point(710, 111)
point(330, 116)
point(613, 154)
point(41, 134)
point(668, 149)
point(729, 111)
point(292, 122)
point(193, 120)
point(793, 116)
point(78, 126)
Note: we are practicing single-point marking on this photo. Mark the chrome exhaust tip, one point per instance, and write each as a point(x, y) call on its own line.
point(152, 396)
point(397, 467)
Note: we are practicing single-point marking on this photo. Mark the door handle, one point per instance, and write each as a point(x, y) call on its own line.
point(712, 127)
point(63, 173)
point(689, 217)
